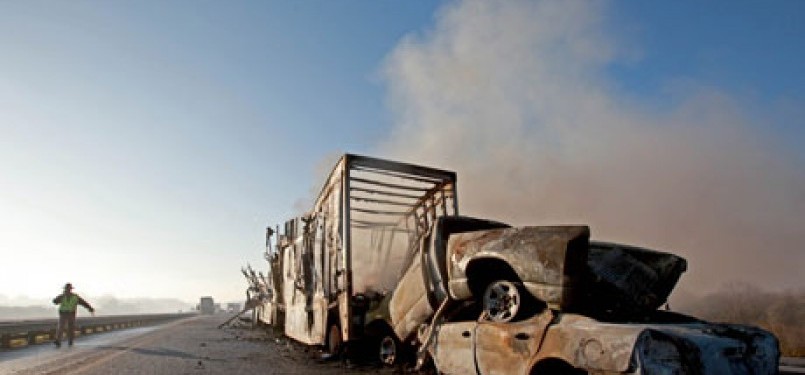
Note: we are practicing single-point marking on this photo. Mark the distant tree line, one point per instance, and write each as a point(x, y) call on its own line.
point(26, 312)
point(104, 305)
point(782, 313)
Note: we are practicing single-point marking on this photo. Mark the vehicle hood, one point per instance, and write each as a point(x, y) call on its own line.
point(628, 280)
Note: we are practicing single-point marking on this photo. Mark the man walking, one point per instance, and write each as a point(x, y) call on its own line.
point(68, 303)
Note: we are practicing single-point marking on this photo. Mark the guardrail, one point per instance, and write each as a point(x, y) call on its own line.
point(30, 332)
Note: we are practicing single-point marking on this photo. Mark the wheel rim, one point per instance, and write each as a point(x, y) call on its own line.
point(388, 350)
point(501, 301)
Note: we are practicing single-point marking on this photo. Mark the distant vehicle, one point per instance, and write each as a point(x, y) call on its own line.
point(206, 306)
point(233, 307)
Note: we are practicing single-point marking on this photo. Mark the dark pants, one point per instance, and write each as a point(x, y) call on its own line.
point(66, 320)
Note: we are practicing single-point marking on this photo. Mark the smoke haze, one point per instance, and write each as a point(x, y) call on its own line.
point(515, 97)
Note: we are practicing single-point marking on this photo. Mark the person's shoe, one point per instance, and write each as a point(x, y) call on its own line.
point(57, 343)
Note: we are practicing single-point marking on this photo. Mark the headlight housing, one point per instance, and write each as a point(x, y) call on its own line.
point(656, 353)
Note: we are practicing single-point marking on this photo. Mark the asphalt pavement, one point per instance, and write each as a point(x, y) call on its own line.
point(188, 346)
point(193, 346)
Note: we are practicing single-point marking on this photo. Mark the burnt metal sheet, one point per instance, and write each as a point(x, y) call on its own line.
point(503, 348)
point(453, 348)
point(586, 343)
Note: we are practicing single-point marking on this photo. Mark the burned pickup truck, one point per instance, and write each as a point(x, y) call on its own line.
point(485, 298)
point(384, 265)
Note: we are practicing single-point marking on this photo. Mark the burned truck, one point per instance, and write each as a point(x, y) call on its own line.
point(384, 263)
point(329, 265)
point(548, 300)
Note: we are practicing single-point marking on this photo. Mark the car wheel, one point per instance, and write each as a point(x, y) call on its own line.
point(503, 300)
point(334, 341)
point(389, 350)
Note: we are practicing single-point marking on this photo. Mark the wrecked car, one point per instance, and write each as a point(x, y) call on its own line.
point(553, 342)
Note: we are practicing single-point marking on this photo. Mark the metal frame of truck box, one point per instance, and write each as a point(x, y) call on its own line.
point(360, 235)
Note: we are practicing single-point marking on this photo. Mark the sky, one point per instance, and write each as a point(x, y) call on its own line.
point(145, 146)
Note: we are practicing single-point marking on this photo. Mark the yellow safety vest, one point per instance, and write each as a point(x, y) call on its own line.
point(68, 303)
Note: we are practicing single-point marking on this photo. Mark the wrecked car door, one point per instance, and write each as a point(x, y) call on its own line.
point(508, 348)
point(409, 306)
point(453, 347)
point(487, 347)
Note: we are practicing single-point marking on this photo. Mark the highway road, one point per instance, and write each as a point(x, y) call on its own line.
point(190, 346)
point(792, 366)
point(46, 358)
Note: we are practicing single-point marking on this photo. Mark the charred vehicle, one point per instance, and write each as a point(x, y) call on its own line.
point(329, 266)
point(384, 263)
point(485, 298)
point(553, 342)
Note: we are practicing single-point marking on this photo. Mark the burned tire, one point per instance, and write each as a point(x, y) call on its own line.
point(389, 350)
point(334, 340)
point(557, 367)
point(504, 301)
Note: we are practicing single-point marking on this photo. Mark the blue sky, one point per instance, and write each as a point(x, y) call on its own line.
point(146, 145)
point(740, 45)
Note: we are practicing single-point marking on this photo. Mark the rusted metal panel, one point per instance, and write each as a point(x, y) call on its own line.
point(588, 344)
point(409, 305)
point(503, 348)
point(484, 347)
point(453, 348)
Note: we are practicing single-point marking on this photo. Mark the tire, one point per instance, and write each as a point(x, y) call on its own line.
point(503, 301)
point(334, 340)
point(389, 350)
point(556, 367)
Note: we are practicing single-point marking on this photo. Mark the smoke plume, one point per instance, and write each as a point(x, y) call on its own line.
point(515, 97)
